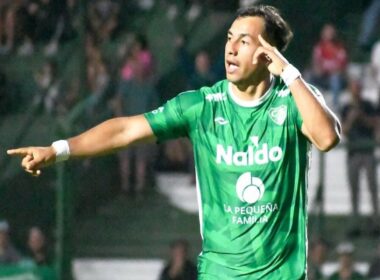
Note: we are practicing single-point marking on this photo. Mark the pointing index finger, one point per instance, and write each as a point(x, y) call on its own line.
point(18, 152)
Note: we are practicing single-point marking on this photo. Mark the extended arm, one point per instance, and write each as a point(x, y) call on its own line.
point(107, 137)
point(320, 125)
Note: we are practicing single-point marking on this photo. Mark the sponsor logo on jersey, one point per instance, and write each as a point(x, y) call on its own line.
point(220, 96)
point(158, 110)
point(252, 214)
point(278, 114)
point(255, 154)
point(221, 121)
point(249, 189)
point(255, 140)
point(284, 92)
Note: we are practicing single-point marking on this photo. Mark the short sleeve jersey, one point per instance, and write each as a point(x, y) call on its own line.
point(251, 162)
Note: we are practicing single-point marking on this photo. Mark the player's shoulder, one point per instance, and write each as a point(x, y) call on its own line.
point(315, 91)
point(282, 90)
point(216, 92)
point(220, 86)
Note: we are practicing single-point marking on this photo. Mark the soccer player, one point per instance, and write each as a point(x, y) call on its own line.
point(251, 135)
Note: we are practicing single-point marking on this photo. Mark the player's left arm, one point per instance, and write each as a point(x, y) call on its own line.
point(320, 125)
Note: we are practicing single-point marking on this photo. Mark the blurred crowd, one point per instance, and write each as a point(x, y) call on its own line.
point(354, 94)
point(28, 24)
point(124, 79)
point(347, 266)
point(36, 250)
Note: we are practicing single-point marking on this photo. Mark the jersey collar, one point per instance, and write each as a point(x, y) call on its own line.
point(252, 103)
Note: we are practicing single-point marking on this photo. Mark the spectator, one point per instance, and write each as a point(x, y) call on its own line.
point(37, 247)
point(49, 85)
point(194, 10)
point(41, 23)
point(178, 154)
point(370, 22)
point(329, 62)
point(136, 94)
point(3, 94)
point(26, 28)
point(71, 97)
point(8, 254)
point(7, 26)
point(359, 124)
point(47, 15)
point(374, 267)
point(97, 74)
point(375, 65)
point(179, 266)
point(316, 258)
point(139, 64)
point(71, 20)
point(198, 69)
point(104, 18)
point(202, 73)
point(29, 23)
point(346, 270)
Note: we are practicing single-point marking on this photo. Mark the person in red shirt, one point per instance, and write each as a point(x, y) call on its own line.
point(329, 62)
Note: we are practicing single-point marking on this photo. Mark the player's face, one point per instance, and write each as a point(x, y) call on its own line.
point(242, 42)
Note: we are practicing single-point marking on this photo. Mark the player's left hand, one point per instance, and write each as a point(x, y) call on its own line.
point(270, 56)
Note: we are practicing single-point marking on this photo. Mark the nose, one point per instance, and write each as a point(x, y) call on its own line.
point(233, 48)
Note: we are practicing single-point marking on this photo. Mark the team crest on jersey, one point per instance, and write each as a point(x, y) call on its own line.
point(220, 96)
point(278, 114)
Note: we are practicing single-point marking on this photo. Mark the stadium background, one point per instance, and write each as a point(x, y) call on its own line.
point(90, 219)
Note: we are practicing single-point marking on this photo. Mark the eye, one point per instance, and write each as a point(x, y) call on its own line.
point(228, 38)
point(244, 42)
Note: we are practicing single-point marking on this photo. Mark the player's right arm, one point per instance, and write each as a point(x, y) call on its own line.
point(107, 137)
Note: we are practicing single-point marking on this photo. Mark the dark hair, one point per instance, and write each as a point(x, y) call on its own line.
point(142, 40)
point(276, 28)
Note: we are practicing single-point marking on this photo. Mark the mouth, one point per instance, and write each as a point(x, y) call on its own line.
point(231, 66)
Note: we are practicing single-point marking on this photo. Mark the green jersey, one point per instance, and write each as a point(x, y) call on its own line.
point(251, 160)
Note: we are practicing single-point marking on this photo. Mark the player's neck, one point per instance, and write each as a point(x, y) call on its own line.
point(252, 90)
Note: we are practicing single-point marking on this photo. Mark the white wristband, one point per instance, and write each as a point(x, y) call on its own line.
point(289, 74)
point(62, 150)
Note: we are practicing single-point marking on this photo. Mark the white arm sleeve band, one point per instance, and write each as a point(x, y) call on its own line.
point(290, 74)
point(62, 150)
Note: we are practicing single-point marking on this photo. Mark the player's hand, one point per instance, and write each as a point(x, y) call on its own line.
point(270, 56)
point(34, 158)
